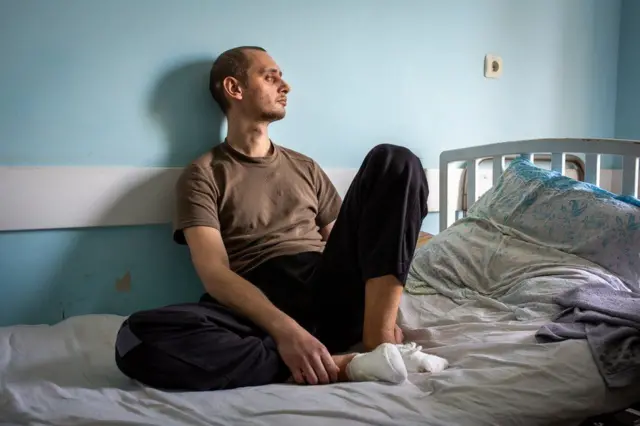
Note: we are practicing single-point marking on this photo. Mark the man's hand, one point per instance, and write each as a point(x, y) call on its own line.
point(307, 358)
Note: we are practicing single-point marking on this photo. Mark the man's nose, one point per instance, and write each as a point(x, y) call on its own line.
point(284, 87)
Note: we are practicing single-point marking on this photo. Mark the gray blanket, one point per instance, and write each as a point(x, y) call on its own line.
point(610, 321)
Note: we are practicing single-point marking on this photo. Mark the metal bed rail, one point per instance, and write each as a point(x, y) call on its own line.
point(593, 149)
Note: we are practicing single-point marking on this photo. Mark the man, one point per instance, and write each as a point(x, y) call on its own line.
point(292, 274)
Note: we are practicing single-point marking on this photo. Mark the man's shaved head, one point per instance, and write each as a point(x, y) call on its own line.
point(231, 63)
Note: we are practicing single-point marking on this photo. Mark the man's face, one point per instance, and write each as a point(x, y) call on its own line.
point(265, 95)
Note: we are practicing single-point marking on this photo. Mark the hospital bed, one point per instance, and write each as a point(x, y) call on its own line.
point(466, 301)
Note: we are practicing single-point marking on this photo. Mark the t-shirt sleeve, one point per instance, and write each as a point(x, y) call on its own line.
point(329, 200)
point(196, 202)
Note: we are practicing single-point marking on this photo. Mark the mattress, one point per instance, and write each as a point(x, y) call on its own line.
point(65, 374)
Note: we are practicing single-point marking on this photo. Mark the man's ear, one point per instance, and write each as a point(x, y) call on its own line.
point(232, 88)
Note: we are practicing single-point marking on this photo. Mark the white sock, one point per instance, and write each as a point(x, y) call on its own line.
point(417, 361)
point(384, 363)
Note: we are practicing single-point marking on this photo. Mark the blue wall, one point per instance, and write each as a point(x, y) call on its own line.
point(124, 83)
point(628, 102)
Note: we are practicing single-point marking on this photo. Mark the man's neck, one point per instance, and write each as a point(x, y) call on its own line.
point(249, 138)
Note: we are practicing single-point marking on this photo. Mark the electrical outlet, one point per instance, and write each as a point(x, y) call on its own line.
point(492, 66)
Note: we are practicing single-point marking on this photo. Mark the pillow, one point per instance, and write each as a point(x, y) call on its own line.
point(546, 208)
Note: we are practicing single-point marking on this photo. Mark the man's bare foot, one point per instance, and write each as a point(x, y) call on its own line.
point(384, 363)
point(342, 361)
point(399, 335)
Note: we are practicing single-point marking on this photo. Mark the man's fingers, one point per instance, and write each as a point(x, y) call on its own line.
point(309, 374)
point(298, 377)
point(296, 372)
point(320, 370)
point(331, 367)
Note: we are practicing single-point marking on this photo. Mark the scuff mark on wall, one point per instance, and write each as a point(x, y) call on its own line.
point(123, 285)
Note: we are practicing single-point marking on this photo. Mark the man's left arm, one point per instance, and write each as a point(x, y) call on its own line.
point(326, 231)
point(329, 202)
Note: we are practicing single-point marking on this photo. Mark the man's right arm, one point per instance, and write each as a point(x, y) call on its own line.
point(308, 360)
point(210, 259)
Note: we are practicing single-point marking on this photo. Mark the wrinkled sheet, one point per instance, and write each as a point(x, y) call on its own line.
point(610, 322)
point(65, 375)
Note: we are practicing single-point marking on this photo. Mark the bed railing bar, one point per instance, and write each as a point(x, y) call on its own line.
point(558, 162)
point(472, 174)
point(444, 198)
point(527, 156)
point(592, 166)
point(630, 176)
point(498, 168)
point(583, 146)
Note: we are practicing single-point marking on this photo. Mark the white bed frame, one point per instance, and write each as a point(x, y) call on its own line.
point(593, 149)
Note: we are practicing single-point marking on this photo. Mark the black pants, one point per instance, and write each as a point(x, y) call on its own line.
point(206, 346)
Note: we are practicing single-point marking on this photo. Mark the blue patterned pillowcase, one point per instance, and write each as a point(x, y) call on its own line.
point(549, 209)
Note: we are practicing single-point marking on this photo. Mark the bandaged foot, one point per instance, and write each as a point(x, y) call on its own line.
point(384, 363)
point(417, 361)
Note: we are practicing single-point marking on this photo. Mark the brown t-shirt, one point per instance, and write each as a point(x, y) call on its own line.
point(263, 207)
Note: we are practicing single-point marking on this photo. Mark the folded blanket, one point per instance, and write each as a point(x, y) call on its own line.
point(610, 321)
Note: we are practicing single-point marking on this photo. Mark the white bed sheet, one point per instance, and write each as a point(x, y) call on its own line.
point(65, 375)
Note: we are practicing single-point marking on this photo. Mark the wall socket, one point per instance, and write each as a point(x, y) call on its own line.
point(492, 66)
